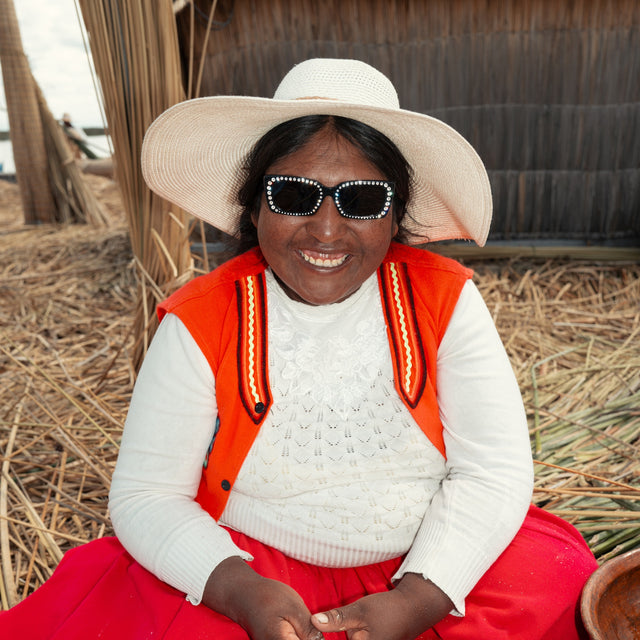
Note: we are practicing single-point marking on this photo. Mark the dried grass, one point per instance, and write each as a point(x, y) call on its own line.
point(572, 331)
point(67, 303)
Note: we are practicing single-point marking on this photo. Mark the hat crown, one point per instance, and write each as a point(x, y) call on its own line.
point(350, 81)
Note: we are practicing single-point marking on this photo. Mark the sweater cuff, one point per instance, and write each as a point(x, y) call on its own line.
point(204, 546)
point(456, 573)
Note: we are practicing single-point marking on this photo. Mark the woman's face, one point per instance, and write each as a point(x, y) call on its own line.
point(325, 257)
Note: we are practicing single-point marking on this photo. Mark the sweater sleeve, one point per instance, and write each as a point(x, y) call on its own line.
point(486, 492)
point(167, 432)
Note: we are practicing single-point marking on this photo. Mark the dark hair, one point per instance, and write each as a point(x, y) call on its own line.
point(288, 137)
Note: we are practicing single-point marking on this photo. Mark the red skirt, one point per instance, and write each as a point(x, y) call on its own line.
point(98, 591)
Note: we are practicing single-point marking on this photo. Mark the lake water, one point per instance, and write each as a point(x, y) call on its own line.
point(98, 144)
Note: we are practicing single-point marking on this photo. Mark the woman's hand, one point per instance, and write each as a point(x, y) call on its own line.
point(266, 609)
point(403, 613)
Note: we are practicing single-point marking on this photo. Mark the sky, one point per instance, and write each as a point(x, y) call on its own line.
point(52, 40)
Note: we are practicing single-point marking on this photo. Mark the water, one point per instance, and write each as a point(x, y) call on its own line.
point(98, 144)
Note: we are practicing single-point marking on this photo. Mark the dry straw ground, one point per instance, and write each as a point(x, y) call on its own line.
point(67, 296)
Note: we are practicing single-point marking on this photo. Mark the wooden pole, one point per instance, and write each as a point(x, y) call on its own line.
point(27, 137)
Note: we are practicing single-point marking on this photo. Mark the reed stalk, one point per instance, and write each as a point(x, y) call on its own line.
point(135, 51)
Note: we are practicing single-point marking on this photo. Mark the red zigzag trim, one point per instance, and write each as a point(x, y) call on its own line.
point(409, 361)
point(252, 346)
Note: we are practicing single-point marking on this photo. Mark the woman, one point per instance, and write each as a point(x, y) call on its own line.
point(367, 469)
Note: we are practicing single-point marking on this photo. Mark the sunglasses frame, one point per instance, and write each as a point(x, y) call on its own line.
point(334, 192)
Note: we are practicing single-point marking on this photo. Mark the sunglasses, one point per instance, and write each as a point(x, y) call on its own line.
point(357, 199)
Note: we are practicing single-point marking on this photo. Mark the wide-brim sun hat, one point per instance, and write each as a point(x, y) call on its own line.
point(193, 154)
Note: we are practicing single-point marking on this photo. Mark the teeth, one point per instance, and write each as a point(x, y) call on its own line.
point(324, 262)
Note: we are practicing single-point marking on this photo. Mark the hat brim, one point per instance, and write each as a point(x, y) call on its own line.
point(193, 153)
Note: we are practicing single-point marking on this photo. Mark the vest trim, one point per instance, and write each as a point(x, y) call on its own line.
point(409, 361)
point(253, 385)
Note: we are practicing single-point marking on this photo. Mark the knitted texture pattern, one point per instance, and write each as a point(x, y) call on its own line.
point(339, 459)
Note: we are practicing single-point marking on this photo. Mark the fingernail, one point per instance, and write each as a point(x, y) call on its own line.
point(322, 618)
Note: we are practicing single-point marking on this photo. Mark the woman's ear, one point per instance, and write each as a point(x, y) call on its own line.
point(395, 226)
point(256, 206)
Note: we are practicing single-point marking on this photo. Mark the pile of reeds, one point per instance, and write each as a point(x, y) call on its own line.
point(67, 303)
point(572, 331)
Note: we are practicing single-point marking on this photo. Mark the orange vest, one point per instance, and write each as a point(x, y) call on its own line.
point(226, 313)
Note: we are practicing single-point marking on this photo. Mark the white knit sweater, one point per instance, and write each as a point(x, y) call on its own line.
point(340, 474)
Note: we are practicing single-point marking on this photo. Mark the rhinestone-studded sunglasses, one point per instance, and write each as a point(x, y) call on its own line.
point(357, 199)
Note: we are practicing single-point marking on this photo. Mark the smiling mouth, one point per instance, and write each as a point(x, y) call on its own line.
point(324, 259)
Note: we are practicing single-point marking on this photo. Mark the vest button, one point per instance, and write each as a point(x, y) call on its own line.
point(226, 485)
point(260, 407)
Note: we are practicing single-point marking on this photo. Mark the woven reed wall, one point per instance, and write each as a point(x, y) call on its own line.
point(548, 92)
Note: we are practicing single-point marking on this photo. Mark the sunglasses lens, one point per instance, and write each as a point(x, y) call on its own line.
point(363, 200)
point(294, 197)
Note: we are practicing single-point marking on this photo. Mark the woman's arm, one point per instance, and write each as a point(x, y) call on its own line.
point(167, 432)
point(487, 490)
point(483, 498)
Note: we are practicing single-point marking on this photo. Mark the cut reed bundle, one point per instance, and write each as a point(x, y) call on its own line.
point(67, 298)
point(27, 136)
point(52, 186)
point(75, 201)
point(135, 53)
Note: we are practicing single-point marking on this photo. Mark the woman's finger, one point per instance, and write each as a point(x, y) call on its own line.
point(335, 620)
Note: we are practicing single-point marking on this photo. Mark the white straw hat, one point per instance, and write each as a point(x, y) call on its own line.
point(193, 153)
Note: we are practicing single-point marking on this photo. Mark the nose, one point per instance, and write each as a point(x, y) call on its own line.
point(326, 224)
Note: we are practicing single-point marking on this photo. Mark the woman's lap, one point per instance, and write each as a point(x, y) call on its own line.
point(533, 588)
point(531, 592)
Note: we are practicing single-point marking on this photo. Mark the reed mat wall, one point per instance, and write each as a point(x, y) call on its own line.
point(68, 297)
point(547, 92)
